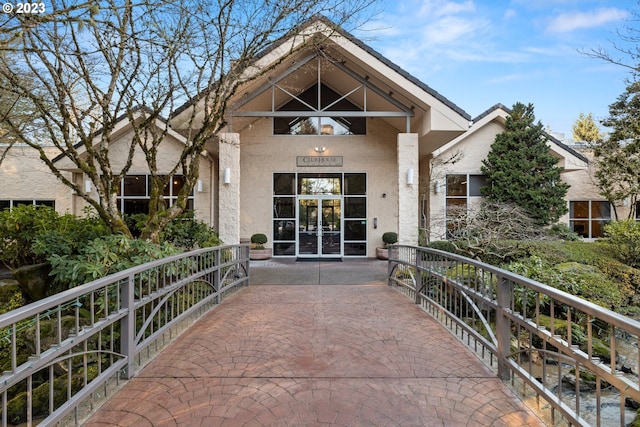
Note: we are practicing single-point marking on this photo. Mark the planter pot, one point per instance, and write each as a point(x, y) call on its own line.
point(260, 254)
point(382, 253)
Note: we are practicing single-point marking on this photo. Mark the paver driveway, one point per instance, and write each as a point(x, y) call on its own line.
point(315, 355)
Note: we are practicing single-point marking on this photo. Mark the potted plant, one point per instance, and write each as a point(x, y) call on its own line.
point(257, 251)
point(388, 238)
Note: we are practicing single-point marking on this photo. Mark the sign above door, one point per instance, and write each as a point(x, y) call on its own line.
point(314, 161)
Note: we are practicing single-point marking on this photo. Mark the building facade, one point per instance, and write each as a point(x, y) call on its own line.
point(329, 149)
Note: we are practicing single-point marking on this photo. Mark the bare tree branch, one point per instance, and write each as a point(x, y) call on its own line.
point(97, 63)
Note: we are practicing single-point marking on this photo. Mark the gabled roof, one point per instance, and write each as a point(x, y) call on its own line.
point(341, 31)
point(434, 118)
point(499, 113)
point(121, 125)
point(389, 64)
point(550, 137)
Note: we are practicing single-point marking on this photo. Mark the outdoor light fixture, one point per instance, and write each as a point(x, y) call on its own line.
point(227, 175)
point(87, 186)
point(199, 186)
point(436, 186)
point(320, 149)
point(410, 176)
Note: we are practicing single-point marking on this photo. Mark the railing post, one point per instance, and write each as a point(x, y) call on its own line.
point(418, 275)
point(390, 253)
point(245, 254)
point(127, 328)
point(503, 329)
point(216, 276)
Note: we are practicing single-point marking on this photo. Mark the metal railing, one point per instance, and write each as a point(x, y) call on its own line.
point(580, 358)
point(84, 340)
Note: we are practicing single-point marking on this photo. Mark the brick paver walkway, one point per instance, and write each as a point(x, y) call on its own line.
point(315, 355)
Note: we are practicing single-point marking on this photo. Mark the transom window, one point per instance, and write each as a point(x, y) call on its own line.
point(8, 204)
point(327, 100)
point(587, 218)
point(133, 195)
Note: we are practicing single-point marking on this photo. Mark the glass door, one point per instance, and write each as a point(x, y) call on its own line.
point(319, 227)
point(308, 227)
point(331, 229)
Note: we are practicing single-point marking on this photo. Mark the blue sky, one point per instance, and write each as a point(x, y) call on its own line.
point(479, 53)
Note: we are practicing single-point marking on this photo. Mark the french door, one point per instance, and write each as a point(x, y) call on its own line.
point(319, 226)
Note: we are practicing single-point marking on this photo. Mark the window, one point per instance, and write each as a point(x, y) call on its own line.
point(133, 195)
point(4, 204)
point(637, 211)
point(355, 214)
point(328, 101)
point(460, 188)
point(587, 218)
point(284, 214)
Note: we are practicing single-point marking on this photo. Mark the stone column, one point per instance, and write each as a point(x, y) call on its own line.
point(229, 193)
point(408, 193)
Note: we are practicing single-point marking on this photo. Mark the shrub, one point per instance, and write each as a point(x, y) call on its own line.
point(389, 238)
point(188, 233)
point(135, 223)
point(104, 256)
point(10, 298)
point(443, 245)
point(30, 234)
point(590, 283)
point(624, 237)
point(563, 232)
point(258, 240)
point(584, 281)
point(19, 229)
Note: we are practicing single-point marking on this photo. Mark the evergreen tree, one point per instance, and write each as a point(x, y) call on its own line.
point(617, 158)
point(521, 170)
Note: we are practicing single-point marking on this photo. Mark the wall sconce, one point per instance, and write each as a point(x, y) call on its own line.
point(199, 186)
point(87, 186)
point(320, 149)
point(410, 176)
point(227, 175)
point(436, 186)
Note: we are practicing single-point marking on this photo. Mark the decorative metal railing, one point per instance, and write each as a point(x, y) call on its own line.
point(84, 340)
point(580, 358)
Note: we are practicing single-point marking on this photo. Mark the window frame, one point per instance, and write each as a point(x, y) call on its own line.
point(168, 194)
point(283, 190)
point(310, 103)
point(589, 219)
point(11, 203)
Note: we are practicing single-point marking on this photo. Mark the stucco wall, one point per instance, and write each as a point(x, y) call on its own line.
point(583, 187)
point(469, 154)
point(474, 148)
point(262, 154)
point(23, 176)
point(168, 155)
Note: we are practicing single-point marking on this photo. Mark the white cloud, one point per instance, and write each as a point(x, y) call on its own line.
point(509, 14)
point(568, 22)
point(449, 30)
point(439, 8)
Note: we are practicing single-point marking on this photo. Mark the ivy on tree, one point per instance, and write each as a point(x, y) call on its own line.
point(520, 169)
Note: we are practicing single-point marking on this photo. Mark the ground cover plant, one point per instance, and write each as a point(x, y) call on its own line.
point(594, 271)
